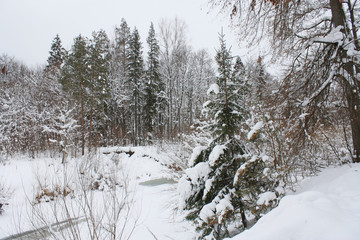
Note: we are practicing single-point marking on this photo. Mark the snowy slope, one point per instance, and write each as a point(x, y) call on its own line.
point(325, 207)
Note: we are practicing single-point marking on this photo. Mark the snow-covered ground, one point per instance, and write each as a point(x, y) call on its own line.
point(151, 192)
point(325, 207)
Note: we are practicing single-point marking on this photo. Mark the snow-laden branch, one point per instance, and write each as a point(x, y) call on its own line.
point(334, 37)
point(327, 83)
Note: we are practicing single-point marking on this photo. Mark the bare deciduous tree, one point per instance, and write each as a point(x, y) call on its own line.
point(320, 41)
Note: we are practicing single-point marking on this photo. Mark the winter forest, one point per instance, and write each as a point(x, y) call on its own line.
point(120, 129)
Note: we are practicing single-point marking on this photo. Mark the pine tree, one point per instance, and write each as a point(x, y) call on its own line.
point(120, 91)
point(57, 55)
point(119, 51)
point(135, 81)
point(222, 188)
point(75, 80)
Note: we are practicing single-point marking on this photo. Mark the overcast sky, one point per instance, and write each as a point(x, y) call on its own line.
point(29, 26)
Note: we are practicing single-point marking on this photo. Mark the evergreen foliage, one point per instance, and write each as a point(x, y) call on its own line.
point(320, 52)
point(57, 56)
point(75, 80)
point(258, 80)
point(75, 73)
point(225, 106)
point(98, 65)
point(120, 50)
point(241, 82)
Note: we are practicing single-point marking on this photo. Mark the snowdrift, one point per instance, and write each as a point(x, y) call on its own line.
point(325, 207)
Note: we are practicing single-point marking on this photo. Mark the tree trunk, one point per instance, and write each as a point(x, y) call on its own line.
point(91, 117)
point(337, 12)
point(354, 114)
point(351, 89)
point(82, 120)
point(123, 127)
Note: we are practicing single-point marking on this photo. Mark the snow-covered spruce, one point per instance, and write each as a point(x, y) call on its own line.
point(226, 195)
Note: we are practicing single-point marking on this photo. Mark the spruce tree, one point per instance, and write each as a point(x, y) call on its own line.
point(154, 87)
point(242, 89)
point(135, 81)
point(258, 80)
point(98, 65)
point(56, 58)
point(221, 190)
point(239, 77)
point(224, 107)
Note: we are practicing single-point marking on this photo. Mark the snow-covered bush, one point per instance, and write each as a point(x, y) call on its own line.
point(47, 194)
point(100, 198)
point(5, 195)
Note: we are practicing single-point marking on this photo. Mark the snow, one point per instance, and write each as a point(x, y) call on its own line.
point(335, 36)
point(325, 207)
point(208, 185)
point(217, 151)
point(196, 152)
point(223, 206)
point(206, 104)
point(213, 88)
point(217, 208)
point(200, 170)
point(208, 211)
point(265, 198)
point(194, 174)
point(151, 206)
point(243, 167)
point(255, 130)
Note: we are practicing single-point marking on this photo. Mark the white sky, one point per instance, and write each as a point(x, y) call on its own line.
point(29, 26)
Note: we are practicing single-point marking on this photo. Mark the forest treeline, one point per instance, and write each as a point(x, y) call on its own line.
point(106, 92)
